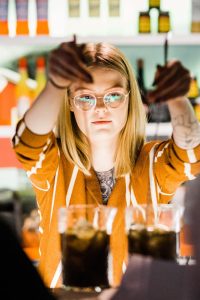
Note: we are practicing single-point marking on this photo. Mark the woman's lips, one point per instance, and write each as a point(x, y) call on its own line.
point(101, 122)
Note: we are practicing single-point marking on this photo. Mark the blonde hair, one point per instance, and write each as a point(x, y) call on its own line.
point(75, 144)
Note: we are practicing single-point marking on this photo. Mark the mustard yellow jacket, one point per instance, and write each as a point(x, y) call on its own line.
point(160, 168)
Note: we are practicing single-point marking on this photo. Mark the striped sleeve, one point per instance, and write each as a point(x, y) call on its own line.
point(38, 154)
point(173, 165)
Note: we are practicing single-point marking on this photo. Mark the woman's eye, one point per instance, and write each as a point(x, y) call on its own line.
point(85, 98)
point(113, 97)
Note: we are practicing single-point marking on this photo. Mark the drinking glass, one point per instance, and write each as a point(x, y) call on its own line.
point(85, 233)
point(154, 231)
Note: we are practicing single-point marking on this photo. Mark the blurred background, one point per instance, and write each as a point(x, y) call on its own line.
point(30, 29)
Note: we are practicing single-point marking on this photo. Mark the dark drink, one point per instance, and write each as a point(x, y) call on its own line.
point(85, 258)
point(157, 243)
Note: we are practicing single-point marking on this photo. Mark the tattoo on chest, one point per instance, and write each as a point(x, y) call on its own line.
point(107, 182)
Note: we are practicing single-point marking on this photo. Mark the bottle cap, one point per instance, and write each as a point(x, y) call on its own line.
point(22, 63)
point(40, 62)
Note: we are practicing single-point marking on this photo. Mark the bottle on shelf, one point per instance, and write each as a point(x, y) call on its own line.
point(94, 8)
point(74, 8)
point(194, 90)
point(4, 17)
point(154, 4)
point(144, 22)
point(140, 78)
point(40, 75)
point(197, 108)
point(195, 25)
point(23, 98)
point(42, 17)
point(114, 8)
point(194, 96)
point(164, 22)
point(22, 27)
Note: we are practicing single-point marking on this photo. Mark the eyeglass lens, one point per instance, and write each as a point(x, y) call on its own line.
point(87, 101)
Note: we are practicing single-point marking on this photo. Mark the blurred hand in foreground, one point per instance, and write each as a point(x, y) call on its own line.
point(171, 82)
point(66, 64)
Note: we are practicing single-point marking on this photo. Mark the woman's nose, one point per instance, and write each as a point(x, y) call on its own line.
point(100, 105)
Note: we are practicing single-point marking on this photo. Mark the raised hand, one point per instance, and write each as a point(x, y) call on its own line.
point(66, 65)
point(171, 81)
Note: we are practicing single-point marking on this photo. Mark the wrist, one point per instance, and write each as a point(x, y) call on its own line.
point(55, 85)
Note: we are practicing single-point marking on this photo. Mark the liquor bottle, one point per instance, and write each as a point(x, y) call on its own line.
point(144, 22)
point(154, 4)
point(164, 22)
point(74, 8)
point(194, 96)
point(42, 17)
point(193, 91)
point(140, 79)
point(22, 17)
point(195, 25)
point(94, 8)
point(114, 8)
point(4, 17)
point(40, 75)
point(23, 98)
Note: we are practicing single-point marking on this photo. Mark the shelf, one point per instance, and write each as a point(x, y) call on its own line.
point(138, 40)
point(153, 130)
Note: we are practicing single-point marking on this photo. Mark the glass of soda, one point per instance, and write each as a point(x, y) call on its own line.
point(85, 233)
point(154, 231)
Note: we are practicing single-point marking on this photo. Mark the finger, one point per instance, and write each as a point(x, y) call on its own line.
point(68, 69)
point(78, 51)
point(69, 63)
point(166, 72)
point(56, 71)
point(173, 89)
point(174, 80)
point(77, 58)
point(177, 90)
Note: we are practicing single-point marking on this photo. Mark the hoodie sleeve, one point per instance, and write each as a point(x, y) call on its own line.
point(38, 154)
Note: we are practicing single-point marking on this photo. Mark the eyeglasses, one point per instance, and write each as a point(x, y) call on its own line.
point(112, 99)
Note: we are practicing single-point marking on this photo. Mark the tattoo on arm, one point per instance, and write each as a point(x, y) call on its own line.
point(186, 130)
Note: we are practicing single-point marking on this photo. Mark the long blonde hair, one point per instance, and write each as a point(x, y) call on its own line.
point(75, 144)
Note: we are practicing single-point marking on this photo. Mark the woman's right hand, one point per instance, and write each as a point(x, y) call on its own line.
point(66, 65)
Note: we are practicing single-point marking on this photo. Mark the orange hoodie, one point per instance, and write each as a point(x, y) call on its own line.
point(161, 165)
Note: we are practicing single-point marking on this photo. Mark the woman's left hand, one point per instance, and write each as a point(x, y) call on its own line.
point(171, 82)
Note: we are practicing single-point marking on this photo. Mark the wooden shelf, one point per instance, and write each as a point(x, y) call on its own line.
point(137, 40)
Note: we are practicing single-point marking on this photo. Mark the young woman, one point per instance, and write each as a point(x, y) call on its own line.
point(99, 154)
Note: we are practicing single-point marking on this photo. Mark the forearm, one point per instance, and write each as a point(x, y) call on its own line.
point(42, 115)
point(186, 128)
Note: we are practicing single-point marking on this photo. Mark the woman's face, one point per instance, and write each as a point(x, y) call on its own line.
point(101, 123)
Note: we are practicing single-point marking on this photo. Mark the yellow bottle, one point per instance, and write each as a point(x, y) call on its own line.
point(23, 98)
point(40, 75)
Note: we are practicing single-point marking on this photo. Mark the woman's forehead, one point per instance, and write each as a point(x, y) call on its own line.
point(103, 79)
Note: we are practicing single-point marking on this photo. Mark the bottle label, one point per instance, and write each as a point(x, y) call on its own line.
point(114, 8)
point(94, 8)
point(22, 10)
point(42, 9)
point(3, 10)
point(196, 11)
point(74, 8)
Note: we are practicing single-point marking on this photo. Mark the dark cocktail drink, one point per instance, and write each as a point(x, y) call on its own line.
point(85, 258)
point(155, 242)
